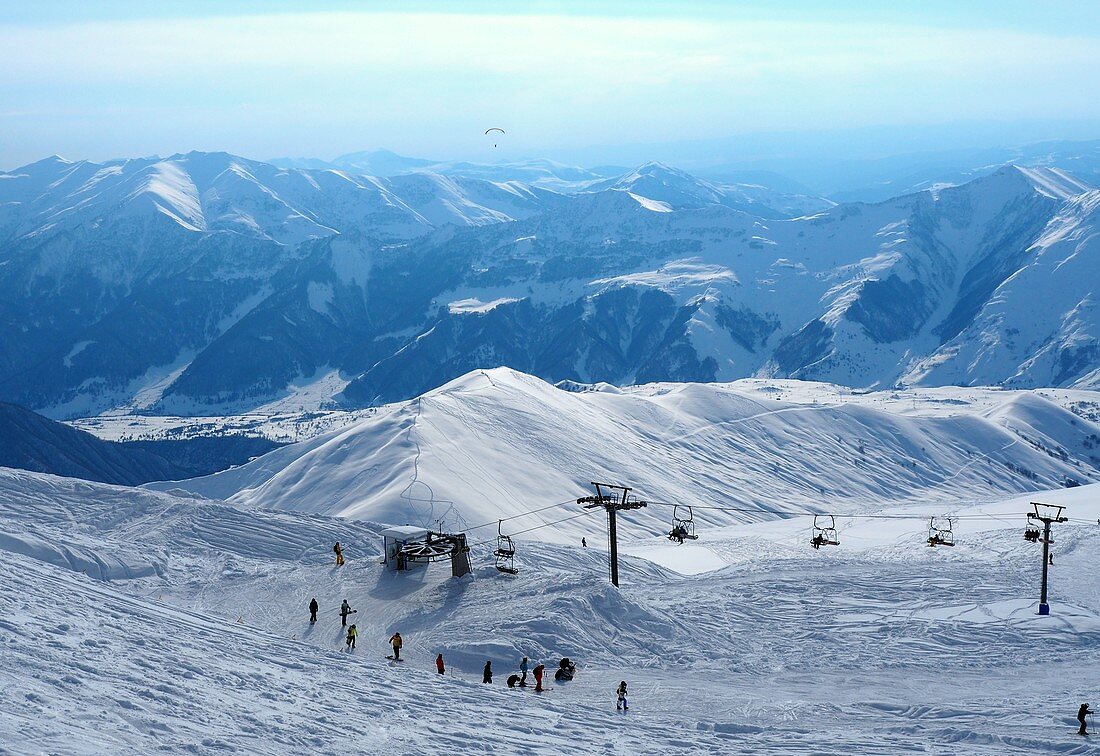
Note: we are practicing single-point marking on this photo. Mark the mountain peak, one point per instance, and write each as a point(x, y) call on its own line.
point(1012, 179)
point(53, 161)
point(1052, 182)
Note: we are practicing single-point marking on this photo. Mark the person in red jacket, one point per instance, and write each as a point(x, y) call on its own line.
point(538, 678)
point(439, 665)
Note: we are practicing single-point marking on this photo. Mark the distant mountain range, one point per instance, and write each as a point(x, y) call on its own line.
point(208, 283)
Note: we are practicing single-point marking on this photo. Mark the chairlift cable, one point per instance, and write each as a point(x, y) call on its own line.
point(555, 522)
point(521, 514)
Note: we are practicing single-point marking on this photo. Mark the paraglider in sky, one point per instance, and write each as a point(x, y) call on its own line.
point(493, 129)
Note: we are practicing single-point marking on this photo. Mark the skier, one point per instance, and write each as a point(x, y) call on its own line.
point(339, 554)
point(538, 678)
point(487, 675)
point(1081, 718)
point(352, 632)
point(345, 610)
point(513, 681)
point(312, 611)
point(584, 543)
point(620, 697)
point(523, 671)
point(1050, 559)
point(439, 665)
point(396, 642)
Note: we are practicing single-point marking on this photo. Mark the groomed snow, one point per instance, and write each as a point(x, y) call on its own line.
point(196, 636)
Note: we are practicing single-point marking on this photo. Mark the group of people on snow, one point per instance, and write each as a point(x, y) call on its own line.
point(565, 671)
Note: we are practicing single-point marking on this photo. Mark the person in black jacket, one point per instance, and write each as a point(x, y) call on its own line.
point(1081, 713)
point(487, 675)
point(312, 611)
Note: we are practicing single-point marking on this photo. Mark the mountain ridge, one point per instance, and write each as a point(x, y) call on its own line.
point(208, 283)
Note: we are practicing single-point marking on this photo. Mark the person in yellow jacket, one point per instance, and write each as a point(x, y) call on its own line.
point(352, 633)
point(396, 642)
point(339, 551)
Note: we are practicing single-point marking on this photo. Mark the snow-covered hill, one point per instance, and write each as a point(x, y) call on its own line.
point(208, 284)
point(494, 443)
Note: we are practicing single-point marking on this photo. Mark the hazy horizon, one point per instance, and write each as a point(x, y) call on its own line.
point(600, 82)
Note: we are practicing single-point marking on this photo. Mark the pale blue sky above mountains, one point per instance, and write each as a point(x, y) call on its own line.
point(109, 79)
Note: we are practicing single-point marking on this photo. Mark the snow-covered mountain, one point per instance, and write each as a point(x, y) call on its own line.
point(206, 283)
point(538, 172)
point(488, 444)
point(680, 190)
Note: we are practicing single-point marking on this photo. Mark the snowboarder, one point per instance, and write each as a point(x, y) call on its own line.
point(584, 543)
point(620, 697)
point(523, 663)
point(1084, 710)
point(352, 632)
point(312, 611)
point(487, 675)
point(396, 642)
point(339, 554)
point(538, 678)
point(439, 665)
point(345, 610)
point(513, 680)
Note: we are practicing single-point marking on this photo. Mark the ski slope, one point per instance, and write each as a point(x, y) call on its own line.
point(133, 621)
point(500, 444)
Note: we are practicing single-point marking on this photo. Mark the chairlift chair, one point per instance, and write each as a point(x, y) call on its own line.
point(941, 531)
point(682, 526)
point(824, 533)
point(1032, 534)
point(505, 552)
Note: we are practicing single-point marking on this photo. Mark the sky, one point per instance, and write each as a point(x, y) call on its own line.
point(267, 79)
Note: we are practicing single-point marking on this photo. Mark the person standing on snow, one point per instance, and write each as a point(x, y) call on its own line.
point(538, 678)
point(584, 543)
point(339, 554)
point(312, 611)
point(1081, 713)
point(620, 697)
point(345, 610)
point(352, 632)
point(487, 674)
point(523, 672)
point(439, 665)
point(396, 642)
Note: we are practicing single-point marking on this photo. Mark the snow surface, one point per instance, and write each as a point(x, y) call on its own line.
point(490, 443)
point(134, 621)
